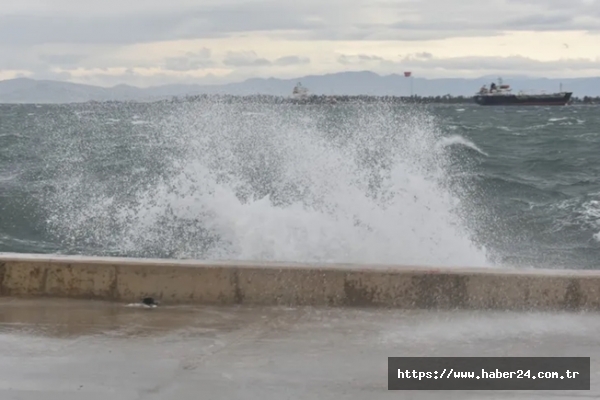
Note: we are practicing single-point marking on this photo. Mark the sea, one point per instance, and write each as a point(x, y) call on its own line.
point(422, 185)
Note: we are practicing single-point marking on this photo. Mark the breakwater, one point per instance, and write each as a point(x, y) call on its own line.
point(201, 282)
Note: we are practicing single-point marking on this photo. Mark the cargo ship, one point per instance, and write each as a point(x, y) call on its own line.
point(502, 95)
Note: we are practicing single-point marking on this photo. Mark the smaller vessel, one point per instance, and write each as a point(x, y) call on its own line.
point(301, 95)
point(502, 95)
point(300, 92)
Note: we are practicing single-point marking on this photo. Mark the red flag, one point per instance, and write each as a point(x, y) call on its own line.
point(407, 74)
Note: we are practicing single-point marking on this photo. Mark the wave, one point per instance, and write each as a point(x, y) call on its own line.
point(364, 185)
point(461, 141)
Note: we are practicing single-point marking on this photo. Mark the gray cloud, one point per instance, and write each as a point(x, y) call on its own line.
point(362, 59)
point(513, 63)
point(357, 59)
point(424, 55)
point(560, 5)
point(422, 62)
point(139, 22)
point(426, 61)
point(43, 71)
point(291, 60)
point(189, 62)
point(64, 57)
point(244, 59)
point(546, 22)
point(63, 60)
point(251, 59)
point(51, 75)
point(134, 79)
point(39, 66)
point(142, 27)
point(74, 34)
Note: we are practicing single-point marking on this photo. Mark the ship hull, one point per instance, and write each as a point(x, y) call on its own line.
point(559, 99)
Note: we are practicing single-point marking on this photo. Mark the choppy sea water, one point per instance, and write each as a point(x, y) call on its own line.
point(425, 185)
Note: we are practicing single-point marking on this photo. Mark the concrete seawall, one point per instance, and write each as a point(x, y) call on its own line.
point(198, 282)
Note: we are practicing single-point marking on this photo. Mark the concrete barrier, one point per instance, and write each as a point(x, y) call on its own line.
point(199, 282)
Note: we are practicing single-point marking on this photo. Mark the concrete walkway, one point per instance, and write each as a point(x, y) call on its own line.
point(66, 349)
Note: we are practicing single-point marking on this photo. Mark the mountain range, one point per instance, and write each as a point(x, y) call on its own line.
point(25, 90)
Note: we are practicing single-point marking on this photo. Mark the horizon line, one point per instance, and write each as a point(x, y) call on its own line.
point(400, 75)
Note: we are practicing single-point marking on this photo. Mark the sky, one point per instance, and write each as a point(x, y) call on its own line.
point(154, 42)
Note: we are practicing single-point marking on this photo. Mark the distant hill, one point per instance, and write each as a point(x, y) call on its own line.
point(25, 90)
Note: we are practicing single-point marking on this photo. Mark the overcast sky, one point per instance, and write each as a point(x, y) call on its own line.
point(149, 42)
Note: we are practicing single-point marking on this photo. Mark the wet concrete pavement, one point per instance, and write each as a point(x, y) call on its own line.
point(66, 349)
